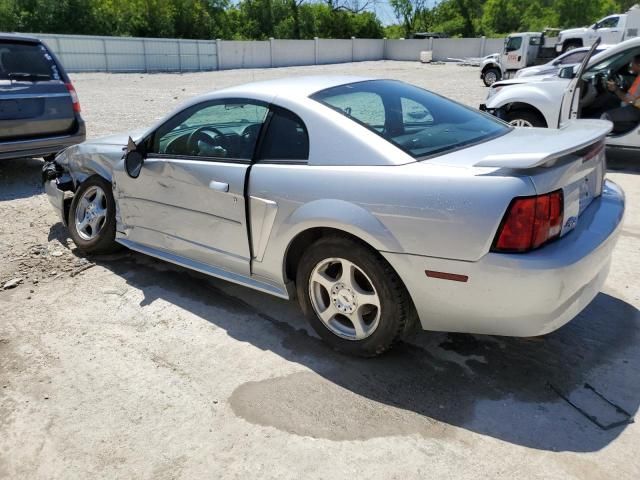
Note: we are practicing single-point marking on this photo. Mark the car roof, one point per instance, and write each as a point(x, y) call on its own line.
point(19, 36)
point(294, 86)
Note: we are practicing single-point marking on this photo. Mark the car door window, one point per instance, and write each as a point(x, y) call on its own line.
point(286, 138)
point(610, 22)
point(573, 58)
point(226, 129)
point(513, 44)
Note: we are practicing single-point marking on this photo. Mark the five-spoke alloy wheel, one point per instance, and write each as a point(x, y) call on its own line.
point(92, 219)
point(352, 297)
point(344, 298)
point(91, 212)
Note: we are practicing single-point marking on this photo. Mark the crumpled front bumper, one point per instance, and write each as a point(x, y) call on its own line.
point(56, 198)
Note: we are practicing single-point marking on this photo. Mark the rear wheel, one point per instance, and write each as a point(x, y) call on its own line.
point(92, 217)
point(525, 118)
point(352, 298)
point(491, 76)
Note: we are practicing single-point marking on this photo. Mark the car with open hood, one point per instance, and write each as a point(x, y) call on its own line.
point(379, 205)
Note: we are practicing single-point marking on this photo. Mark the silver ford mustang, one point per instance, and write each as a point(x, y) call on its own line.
point(378, 204)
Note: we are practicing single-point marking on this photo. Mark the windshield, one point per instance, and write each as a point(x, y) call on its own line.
point(419, 122)
point(611, 63)
point(26, 61)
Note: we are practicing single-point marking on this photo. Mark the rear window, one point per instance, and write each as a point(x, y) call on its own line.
point(26, 61)
point(419, 122)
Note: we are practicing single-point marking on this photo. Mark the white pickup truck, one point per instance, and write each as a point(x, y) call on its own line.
point(610, 30)
point(555, 100)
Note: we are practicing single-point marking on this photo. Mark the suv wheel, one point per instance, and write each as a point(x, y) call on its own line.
point(525, 118)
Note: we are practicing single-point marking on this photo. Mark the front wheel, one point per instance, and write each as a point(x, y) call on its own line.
point(571, 45)
point(352, 298)
point(92, 217)
point(491, 76)
point(525, 118)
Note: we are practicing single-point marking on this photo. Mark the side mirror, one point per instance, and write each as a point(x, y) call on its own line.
point(566, 72)
point(133, 159)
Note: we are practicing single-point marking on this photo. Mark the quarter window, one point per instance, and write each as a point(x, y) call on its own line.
point(218, 129)
point(286, 138)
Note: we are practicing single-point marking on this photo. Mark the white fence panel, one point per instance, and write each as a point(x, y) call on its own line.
point(444, 48)
point(240, 54)
point(80, 53)
point(287, 53)
point(493, 45)
point(405, 49)
point(124, 54)
point(368, 49)
point(334, 51)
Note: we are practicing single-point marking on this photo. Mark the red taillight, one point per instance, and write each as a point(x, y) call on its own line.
point(74, 97)
point(530, 222)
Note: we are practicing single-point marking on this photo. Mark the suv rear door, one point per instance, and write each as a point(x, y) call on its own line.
point(34, 99)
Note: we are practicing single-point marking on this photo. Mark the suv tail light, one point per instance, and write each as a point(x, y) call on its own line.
point(74, 97)
point(530, 222)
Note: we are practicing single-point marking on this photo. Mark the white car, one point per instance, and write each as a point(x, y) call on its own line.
point(552, 101)
point(573, 57)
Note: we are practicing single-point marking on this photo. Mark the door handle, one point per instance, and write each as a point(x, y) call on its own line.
point(218, 186)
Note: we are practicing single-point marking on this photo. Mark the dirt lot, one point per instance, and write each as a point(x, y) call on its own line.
point(126, 367)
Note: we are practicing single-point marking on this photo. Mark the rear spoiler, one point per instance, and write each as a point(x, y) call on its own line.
point(573, 136)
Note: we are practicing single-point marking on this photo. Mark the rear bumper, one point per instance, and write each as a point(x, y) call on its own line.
point(519, 294)
point(39, 147)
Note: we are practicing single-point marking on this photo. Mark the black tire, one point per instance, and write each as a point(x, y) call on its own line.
point(533, 118)
point(570, 45)
point(396, 315)
point(491, 76)
point(104, 241)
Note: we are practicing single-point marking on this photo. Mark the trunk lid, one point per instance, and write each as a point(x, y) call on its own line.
point(34, 100)
point(571, 158)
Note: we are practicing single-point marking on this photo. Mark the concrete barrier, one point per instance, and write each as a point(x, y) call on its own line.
point(405, 49)
point(239, 54)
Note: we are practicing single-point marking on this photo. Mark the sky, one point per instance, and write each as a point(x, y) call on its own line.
point(384, 12)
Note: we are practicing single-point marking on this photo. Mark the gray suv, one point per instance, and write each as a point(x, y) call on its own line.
point(39, 108)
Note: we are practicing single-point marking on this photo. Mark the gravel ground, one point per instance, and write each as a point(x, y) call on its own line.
point(127, 367)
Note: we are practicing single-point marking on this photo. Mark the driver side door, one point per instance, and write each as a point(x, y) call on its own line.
point(608, 31)
point(188, 201)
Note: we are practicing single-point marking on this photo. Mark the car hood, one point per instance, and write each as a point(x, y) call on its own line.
point(99, 155)
point(119, 139)
point(573, 31)
point(528, 79)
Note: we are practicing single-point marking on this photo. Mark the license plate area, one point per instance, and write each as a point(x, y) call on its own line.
point(591, 186)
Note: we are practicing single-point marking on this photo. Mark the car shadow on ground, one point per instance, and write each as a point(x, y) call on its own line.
point(515, 390)
point(20, 178)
